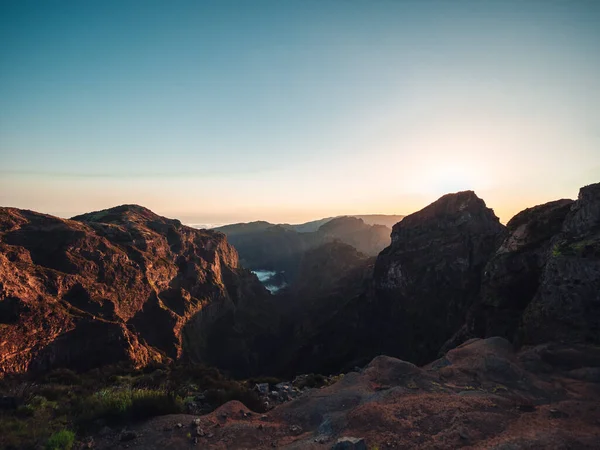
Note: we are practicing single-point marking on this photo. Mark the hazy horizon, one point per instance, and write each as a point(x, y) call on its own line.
point(231, 111)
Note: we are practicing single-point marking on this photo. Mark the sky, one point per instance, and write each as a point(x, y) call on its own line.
point(290, 110)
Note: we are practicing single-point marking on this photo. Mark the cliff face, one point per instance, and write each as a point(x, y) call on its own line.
point(122, 284)
point(566, 307)
point(429, 276)
point(512, 276)
point(543, 283)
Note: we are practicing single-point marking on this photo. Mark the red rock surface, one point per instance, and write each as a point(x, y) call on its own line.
point(119, 285)
point(481, 395)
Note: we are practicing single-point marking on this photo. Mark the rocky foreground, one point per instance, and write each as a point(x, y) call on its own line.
point(481, 395)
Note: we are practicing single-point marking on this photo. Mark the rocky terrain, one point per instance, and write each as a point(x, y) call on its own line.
point(481, 395)
point(123, 285)
point(503, 324)
point(543, 282)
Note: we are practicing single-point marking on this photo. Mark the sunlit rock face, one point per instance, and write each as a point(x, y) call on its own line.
point(431, 273)
point(122, 284)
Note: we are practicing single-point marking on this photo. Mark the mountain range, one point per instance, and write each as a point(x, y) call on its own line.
point(495, 315)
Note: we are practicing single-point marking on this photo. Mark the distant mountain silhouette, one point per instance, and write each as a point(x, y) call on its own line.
point(388, 220)
point(264, 246)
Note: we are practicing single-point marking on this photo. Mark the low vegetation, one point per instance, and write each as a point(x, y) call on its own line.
point(52, 411)
point(62, 440)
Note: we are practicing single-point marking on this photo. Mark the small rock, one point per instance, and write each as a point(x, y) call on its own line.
point(350, 443)
point(179, 425)
point(526, 408)
point(209, 435)
point(295, 429)
point(463, 434)
point(200, 432)
point(128, 436)
point(557, 414)
point(196, 422)
point(262, 388)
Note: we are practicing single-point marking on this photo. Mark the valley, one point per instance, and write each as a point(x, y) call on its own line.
point(258, 335)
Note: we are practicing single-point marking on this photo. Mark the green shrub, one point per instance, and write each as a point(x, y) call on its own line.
point(62, 440)
point(119, 405)
point(150, 403)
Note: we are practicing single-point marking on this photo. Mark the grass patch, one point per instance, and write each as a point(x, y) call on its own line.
point(61, 440)
point(116, 405)
point(113, 395)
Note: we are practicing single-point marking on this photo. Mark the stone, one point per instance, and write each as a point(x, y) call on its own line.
point(128, 436)
point(557, 414)
point(262, 388)
point(350, 443)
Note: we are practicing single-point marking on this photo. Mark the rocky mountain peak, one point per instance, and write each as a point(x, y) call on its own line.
point(122, 214)
point(534, 225)
point(347, 223)
point(461, 210)
point(585, 213)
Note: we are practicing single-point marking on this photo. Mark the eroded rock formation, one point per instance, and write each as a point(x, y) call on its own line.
point(122, 284)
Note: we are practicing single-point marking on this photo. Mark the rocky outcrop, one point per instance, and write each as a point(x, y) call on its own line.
point(512, 276)
point(543, 283)
point(122, 284)
point(566, 307)
point(426, 280)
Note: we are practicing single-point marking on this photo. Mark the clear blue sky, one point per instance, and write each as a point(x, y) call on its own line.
point(219, 111)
